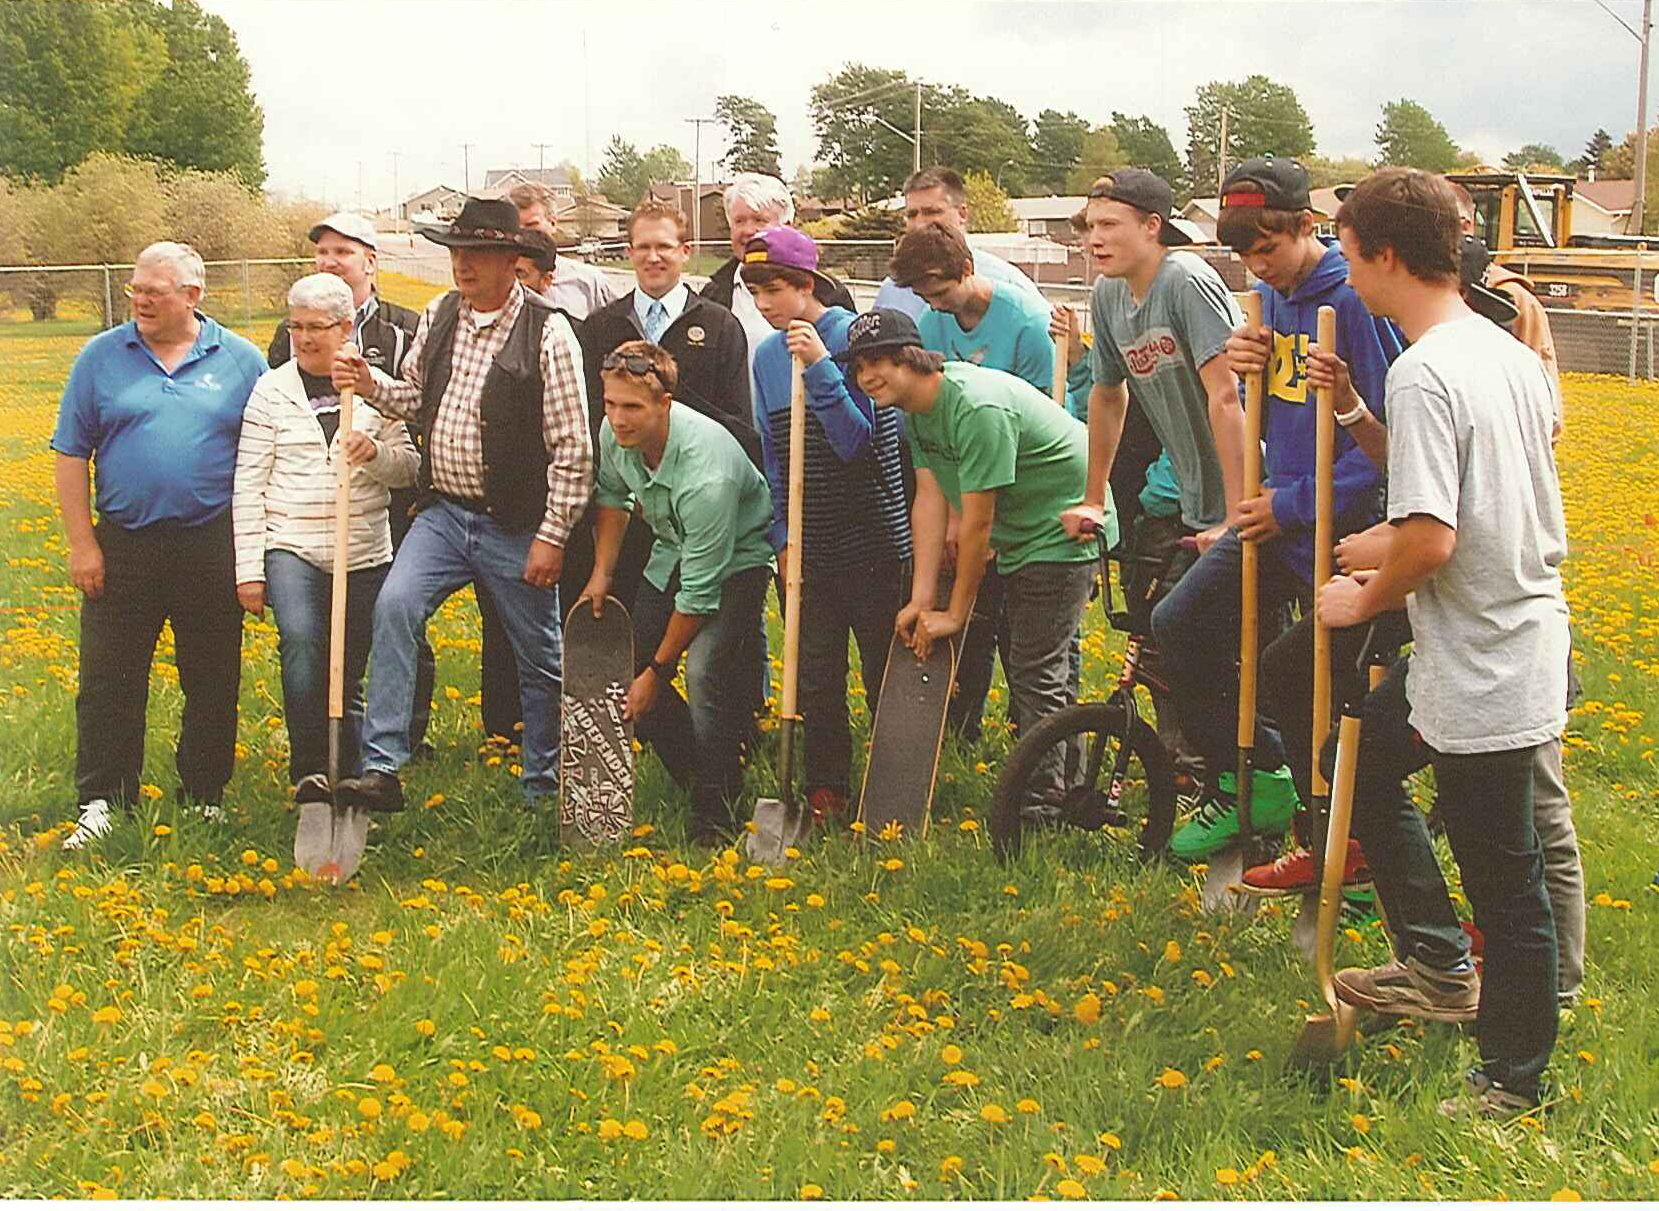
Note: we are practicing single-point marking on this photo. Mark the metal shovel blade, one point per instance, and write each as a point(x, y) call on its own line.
point(1304, 932)
point(1325, 1036)
point(329, 842)
point(1220, 892)
point(314, 837)
point(778, 827)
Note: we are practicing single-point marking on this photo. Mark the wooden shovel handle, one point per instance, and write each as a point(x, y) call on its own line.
point(792, 569)
point(1323, 540)
point(1249, 637)
point(342, 545)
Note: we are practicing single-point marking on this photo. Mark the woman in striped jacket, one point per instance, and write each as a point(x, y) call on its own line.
point(283, 513)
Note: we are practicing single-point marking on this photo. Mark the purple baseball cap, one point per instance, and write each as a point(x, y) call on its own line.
point(789, 249)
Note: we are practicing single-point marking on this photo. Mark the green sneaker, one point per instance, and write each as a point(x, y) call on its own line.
point(1214, 827)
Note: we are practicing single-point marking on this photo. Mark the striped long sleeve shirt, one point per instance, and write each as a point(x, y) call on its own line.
point(283, 498)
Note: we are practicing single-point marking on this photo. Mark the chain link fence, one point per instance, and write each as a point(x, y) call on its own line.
point(68, 300)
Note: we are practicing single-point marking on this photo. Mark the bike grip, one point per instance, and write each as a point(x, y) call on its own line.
point(1189, 542)
point(1088, 525)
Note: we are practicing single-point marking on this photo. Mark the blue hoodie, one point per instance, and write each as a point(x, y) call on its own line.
point(1368, 345)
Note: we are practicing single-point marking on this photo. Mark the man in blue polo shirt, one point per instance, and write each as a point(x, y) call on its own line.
point(157, 402)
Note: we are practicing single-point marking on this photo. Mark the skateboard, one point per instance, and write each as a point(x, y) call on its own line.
point(905, 739)
point(596, 749)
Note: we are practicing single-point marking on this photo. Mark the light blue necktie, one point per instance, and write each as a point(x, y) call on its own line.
point(656, 321)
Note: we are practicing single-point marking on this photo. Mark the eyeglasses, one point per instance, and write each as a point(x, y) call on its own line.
point(317, 329)
point(634, 363)
point(147, 292)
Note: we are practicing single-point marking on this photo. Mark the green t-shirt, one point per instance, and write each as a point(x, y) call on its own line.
point(706, 503)
point(989, 431)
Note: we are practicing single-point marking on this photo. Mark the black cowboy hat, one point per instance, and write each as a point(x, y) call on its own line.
point(482, 223)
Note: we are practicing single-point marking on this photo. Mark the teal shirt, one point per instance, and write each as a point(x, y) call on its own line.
point(990, 431)
point(1012, 336)
point(705, 502)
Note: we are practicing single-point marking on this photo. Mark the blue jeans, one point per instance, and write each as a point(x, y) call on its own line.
point(700, 742)
point(300, 595)
point(446, 547)
point(1197, 629)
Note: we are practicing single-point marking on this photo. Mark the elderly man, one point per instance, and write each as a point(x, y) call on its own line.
point(577, 288)
point(937, 195)
point(283, 513)
point(754, 202)
point(349, 247)
point(495, 379)
point(158, 403)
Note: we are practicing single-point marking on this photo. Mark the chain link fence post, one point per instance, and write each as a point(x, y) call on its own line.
point(109, 300)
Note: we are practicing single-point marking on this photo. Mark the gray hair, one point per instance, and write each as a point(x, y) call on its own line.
point(184, 261)
point(761, 192)
point(325, 293)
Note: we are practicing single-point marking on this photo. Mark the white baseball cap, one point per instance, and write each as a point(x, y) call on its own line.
point(352, 226)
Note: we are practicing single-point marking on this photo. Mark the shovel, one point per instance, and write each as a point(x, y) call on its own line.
point(1323, 541)
point(1220, 892)
point(329, 840)
point(1057, 386)
point(781, 824)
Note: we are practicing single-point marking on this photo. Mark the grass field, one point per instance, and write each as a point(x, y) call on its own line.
point(478, 1016)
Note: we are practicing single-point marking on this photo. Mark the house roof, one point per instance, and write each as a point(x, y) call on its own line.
point(594, 204)
point(557, 177)
point(1615, 197)
point(1051, 206)
point(436, 191)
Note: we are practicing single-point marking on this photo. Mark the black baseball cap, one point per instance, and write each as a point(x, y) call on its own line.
point(1275, 182)
point(1145, 191)
point(876, 330)
point(539, 249)
point(1482, 299)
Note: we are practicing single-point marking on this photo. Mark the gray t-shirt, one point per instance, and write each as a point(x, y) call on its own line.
point(579, 288)
point(1469, 416)
point(1184, 321)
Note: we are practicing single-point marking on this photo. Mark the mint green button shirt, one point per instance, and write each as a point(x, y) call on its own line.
point(705, 502)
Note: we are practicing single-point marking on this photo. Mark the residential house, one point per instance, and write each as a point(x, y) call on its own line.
point(1603, 207)
point(498, 182)
point(441, 202)
point(1048, 216)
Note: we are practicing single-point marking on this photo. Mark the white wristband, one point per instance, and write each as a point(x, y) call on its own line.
point(1353, 417)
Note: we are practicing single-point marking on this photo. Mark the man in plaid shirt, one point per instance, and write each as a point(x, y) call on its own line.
point(495, 378)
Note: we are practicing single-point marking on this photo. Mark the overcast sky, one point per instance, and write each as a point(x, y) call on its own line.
point(504, 75)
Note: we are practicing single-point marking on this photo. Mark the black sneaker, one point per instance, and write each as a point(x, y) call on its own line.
point(313, 788)
point(1482, 1097)
point(375, 791)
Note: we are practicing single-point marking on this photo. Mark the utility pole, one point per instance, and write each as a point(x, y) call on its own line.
point(1221, 158)
point(916, 139)
point(466, 167)
point(541, 155)
point(1636, 207)
point(697, 181)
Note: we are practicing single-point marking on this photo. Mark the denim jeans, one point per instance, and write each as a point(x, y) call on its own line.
point(446, 547)
point(300, 595)
point(1045, 604)
point(700, 742)
point(1197, 629)
point(860, 601)
point(401, 514)
point(1552, 815)
point(1487, 803)
point(157, 574)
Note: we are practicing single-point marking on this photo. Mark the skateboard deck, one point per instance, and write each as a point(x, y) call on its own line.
point(905, 739)
point(596, 749)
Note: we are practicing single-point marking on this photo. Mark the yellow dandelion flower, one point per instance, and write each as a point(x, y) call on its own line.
point(899, 1111)
point(383, 1074)
point(1087, 1009)
point(811, 1191)
point(418, 1121)
point(951, 1053)
point(1361, 1124)
point(1171, 1078)
point(610, 1129)
point(1028, 1105)
point(1089, 1166)
point(1172, 951)
point(1227, 1177)
point(1070, 1187)
point(634, 1129)
point(1566, 1195)
point(1110, 1140)
point(368, 1107)
point(425, 1028)
point(886, 1147)
point(991, 1112)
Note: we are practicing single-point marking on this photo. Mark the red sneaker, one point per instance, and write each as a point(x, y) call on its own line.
point(1295, 873)
point(829, 805)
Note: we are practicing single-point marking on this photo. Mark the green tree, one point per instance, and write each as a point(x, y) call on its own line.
point(1621, 165)
point(622, 177)
point(665, 163)
point(1595, 154)
point(855, 114)
point(1056, 146)
point(15, 218)
point(1146, 145)
point(1100, 154)
point(198, 110)
point(988, 208)
point(72, 73)
point(214, 213)
point(1263, 118)
point(1324, 172)
point(872, 223)
point(976, 134)
point(1409, 135)
point(1534, 156)
point(752, 133)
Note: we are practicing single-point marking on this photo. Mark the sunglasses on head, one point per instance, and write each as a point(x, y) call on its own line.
point(633, 363)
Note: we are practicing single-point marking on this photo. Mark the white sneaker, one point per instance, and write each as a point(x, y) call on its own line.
point(95, 822)
point(211, 812)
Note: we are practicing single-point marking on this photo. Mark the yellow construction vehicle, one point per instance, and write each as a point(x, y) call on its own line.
point(1527, 222)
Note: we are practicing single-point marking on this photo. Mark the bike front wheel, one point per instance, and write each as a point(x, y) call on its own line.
point(1094, 766)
